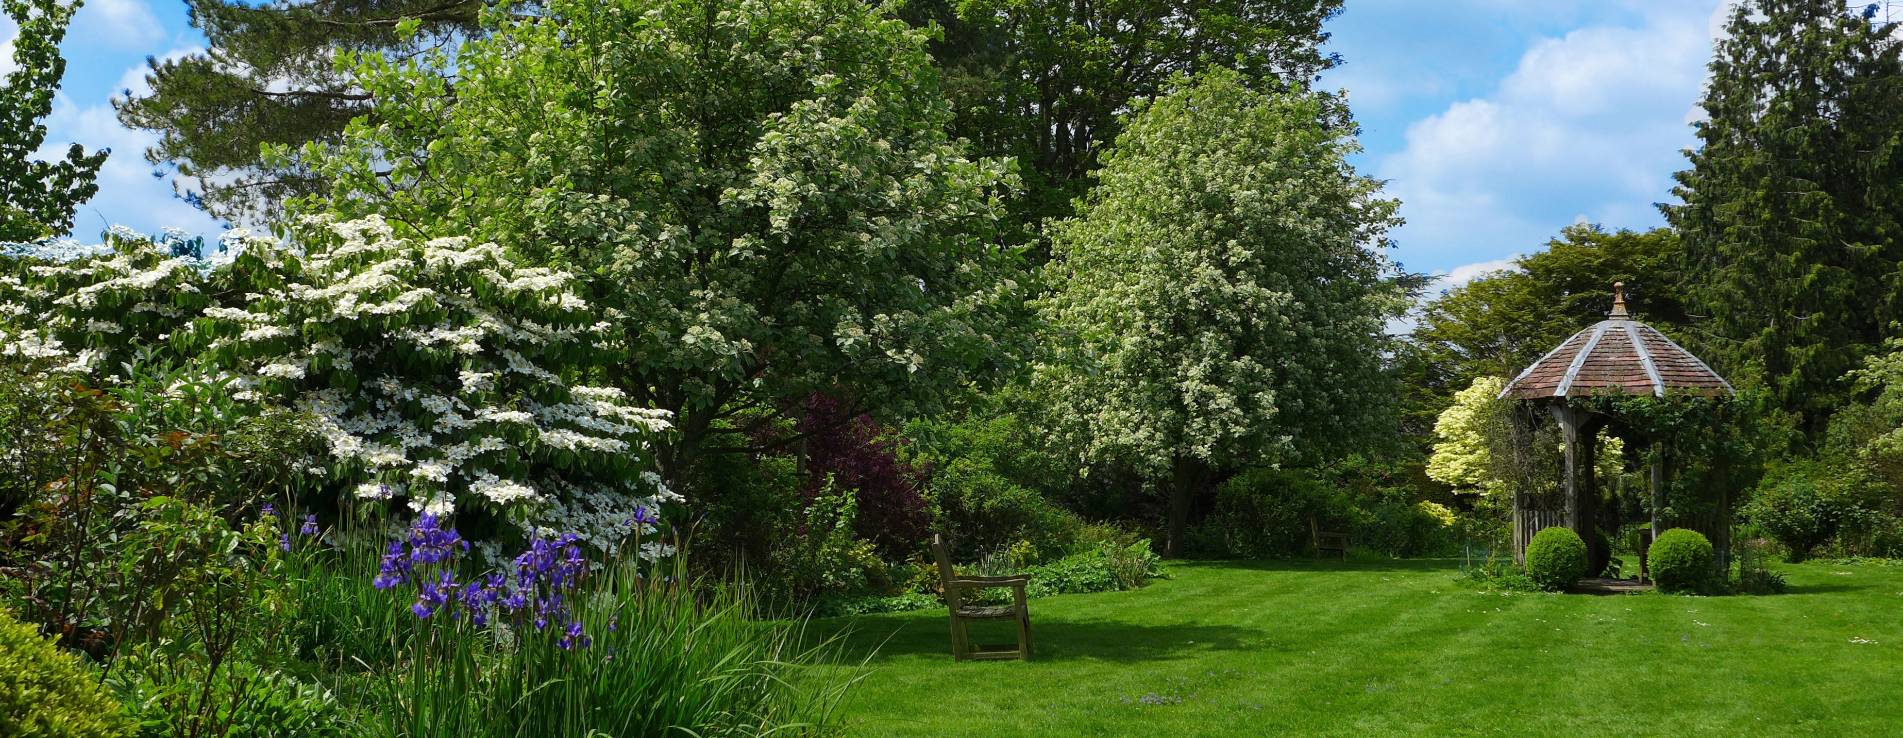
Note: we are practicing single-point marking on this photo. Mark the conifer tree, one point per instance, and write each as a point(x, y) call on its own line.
point(1792, 214)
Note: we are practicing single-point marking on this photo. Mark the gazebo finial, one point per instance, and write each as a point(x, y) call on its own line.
point(1618, 301)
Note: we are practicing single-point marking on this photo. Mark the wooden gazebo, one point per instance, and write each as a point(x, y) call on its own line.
point(1616, 356)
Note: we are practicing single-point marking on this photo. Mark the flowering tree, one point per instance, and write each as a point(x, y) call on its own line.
point(760, 197)
point(439, 370)
point(1220, 298)
point(1462, 456)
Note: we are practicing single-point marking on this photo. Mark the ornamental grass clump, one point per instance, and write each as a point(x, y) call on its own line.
point(558, 644)
point(1681, 560)
point(1555, 558)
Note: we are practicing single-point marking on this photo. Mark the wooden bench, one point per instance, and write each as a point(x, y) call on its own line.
point(1328, 541)
point(956, 589)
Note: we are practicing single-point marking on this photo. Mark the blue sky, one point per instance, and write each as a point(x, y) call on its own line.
point(1496, 122)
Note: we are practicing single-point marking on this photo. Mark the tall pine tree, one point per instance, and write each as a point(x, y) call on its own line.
point(1792, 219)
point(37, 198)
point(268, 78)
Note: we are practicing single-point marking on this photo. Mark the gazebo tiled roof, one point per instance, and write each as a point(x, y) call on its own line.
point(1618, 356)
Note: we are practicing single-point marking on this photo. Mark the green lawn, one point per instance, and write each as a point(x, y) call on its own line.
point(1399, 648)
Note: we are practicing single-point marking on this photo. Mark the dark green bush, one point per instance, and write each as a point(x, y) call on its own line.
point(1555, 558)
point(1806, 505)
point(1265, 513)
point(1681, 560)
point(47, 693)
point(982, 510)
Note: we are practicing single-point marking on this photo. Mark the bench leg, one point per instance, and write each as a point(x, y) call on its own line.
point(957, 643)
point(1024, 627)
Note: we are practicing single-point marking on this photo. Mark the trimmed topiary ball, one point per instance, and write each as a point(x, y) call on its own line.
point(1555, 558)
point(47, 693)
point(1681, 560)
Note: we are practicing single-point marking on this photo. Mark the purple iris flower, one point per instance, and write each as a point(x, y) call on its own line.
point(310, 526)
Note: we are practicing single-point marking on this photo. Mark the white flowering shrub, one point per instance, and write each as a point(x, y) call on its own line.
point(438, 371)
point(67, 308)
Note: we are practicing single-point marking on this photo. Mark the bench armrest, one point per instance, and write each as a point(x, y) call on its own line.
point(1017, 580)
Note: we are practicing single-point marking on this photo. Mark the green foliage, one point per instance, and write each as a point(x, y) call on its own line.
point(818, 553)
point(1273, 513)
point(1108, 567)
point(761, 196)
point(1043, 81)
point(1795, 196)
point(1497, 324)
point(46, 693)
point(1555, 558)
point(265, 703)
point(1463, 452)
point(1266, 513)
point(37, 198)
point(1681, 560)
point(1808, 503)
point(1221, 292)
point(266, 78)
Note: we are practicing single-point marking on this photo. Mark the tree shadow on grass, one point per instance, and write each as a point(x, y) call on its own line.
point(1827, 587)
point(1325, 565)
point(879, 638)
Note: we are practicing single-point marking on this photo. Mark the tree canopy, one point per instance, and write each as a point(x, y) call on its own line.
point(267, 78)
point(1793, 206)
point(1044, 81)
point(37, 198)
point(1219, 299)
point(761, 196)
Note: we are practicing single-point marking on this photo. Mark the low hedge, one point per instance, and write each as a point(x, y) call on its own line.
point(1555, 558)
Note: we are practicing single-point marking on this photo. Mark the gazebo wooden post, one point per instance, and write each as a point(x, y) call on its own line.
point(1658, 486)
point(1580, 429)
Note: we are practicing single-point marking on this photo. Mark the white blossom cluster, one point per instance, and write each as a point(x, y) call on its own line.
point(424, 367)
point(72, 309)
point(439, 372)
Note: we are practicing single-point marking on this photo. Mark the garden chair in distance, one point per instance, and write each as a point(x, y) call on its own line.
point(956, 593)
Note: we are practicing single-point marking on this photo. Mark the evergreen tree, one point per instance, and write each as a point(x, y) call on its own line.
point(37, 198)
point(268, 78)
point(1219, 300)
point(1793, 207)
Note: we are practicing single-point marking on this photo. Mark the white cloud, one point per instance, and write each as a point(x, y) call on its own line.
point(122, 22)
point(1459, 276)
point(128, 193)
point(8, 32)
point(1592, 123)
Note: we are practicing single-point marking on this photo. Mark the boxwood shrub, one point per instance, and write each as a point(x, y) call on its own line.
point(1681, 560)
point(47, 693)
point(1555, 558)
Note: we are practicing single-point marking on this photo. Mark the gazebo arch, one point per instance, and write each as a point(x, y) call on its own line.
point(1616, 356)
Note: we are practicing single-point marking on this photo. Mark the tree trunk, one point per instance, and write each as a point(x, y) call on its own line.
point(1188, 477)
